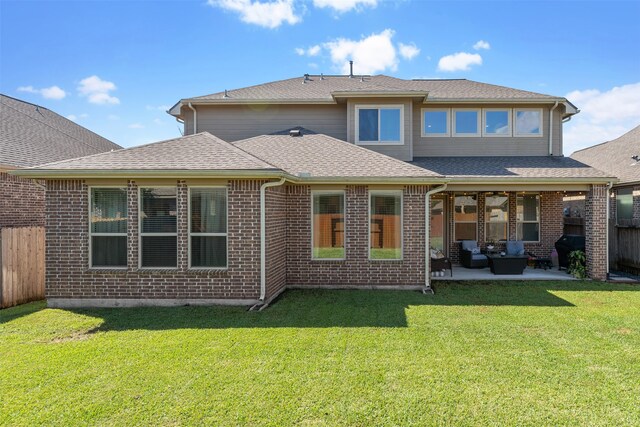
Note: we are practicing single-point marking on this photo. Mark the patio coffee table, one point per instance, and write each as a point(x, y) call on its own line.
point(507, 264)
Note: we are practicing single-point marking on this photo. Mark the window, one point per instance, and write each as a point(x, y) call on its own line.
point(208, 227)
point(528, 217)
point(435, 122)
point(497, 122)
point(108, 227)
point(466, 122)
point(465, 217)
point(327, 231)
point(624, 204)
point(496, 217)
point(385, 225)
point(379, 124)
point(158, 236)
point(528, 122)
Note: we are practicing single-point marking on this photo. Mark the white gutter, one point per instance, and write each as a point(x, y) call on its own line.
point(609, 185)
point(195, 118)
point(551, 128)
point(263, 236)
point(427, 231)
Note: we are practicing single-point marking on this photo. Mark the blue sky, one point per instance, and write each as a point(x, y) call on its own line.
point(115, 66)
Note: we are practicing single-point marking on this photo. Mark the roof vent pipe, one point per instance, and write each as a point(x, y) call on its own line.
point(350, 69)
point(226, 94)
point(321, 76)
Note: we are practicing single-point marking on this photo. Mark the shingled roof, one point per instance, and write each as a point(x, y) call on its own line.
point(615, 157)
point(516, 168)
point(318, 156)
point(199, 152)
point(326, 89)
point(31, 135)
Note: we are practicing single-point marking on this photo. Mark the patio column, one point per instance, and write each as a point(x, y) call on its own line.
point(596, 232)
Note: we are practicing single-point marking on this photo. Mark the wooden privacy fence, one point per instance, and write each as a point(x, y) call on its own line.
point(624, 247)
point(573, 225)
point(21, 265)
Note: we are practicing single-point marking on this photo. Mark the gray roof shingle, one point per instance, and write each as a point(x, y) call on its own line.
point(321, 89)
point(614, 157)
point(198, 152)
point(513, 168)
point(322, 156)
point(31, 135)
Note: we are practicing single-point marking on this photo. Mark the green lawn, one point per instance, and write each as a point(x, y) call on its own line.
point(510, 353)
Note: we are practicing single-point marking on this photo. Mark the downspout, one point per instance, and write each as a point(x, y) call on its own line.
point(609, 185)
point(195, 118)
point(263, 238)
point(551, 128)
point(427, 232)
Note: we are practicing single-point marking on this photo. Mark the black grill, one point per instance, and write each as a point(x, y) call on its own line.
point(567, 244)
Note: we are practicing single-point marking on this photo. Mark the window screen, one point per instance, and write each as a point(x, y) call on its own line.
point(208, 232)
point(158, 215)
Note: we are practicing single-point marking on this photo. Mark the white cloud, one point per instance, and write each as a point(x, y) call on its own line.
point(97, 90)
point(370, 54)
point(481, 44)
point(311, 51)
point(53, 92)
point(461, 61)
point(342, 6)
point(268, 14)
point(72, 117)
point(603, 116)
point(408, 51)
point(136, 126)
point(312, 65)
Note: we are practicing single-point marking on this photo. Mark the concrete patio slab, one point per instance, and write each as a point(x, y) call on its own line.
point(462, 273)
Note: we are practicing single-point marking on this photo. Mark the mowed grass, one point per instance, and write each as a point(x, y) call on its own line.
point(510, 353)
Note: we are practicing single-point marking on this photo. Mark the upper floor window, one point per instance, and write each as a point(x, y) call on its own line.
point(435, 122)
point(379, 124)
point(528, 122)
point(466, 122)
point(497, 122)
point(108, 227)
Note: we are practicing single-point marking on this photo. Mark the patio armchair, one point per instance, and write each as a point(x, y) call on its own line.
point(470, 256)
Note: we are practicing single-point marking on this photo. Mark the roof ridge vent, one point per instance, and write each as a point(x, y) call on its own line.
point(295, 132)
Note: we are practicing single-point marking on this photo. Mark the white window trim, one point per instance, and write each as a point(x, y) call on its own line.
point(344, 207)
point(91, 234)
point(478, 112)
point(509, 123)
point(141, 234)
point(378, 107)
point(527, 135)
point(496, 222)
point(539, 221)
point(386, 193)
point(226, 195)
point(435, 135)
point(453, 216)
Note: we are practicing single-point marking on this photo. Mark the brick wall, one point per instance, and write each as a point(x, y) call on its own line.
point(67, 250)
point(276, 240)
point(551, 224)
point(21, 202)
point(356, 269)
point(595, 232)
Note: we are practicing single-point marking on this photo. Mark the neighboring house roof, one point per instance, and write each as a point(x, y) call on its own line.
point(511, 169)
point(318, 156)
point(615, 157)
point(199, 152)
point(31, 135)
point(326, 89)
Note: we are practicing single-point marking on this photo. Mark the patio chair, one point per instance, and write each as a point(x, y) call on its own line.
point(470, 256)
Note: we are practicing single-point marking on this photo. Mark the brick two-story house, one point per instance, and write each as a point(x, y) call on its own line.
point(314, 181)
point(31, 135)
